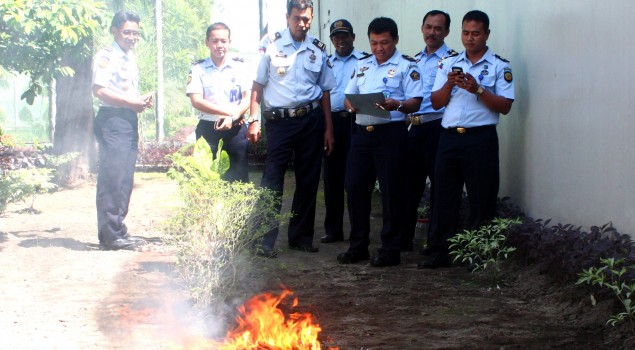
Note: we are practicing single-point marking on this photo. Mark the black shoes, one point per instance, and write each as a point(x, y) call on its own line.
point(330, 239)
point(119, 244)
point(351, 257)
point(304, 248)
point(384, 261)
point(435, 260)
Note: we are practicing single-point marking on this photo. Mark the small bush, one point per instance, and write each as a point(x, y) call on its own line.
point(215, 229)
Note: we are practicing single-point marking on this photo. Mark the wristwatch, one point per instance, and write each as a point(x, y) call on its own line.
point(480, 90)
point(400, 106)
point(253, 120)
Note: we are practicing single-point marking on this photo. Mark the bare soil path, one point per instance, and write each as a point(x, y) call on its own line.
point(59, 291)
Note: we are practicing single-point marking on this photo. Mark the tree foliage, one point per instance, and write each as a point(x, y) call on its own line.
point(36, 34)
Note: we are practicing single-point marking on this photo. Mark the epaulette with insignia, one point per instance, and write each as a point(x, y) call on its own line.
point(277, 36)
point(199, 61)
point(502, 59)
point(365, 56)
point(320, 45)
point(452, 53)
point(409, 58)
point(329, 64)
point(109, 49)
point(238, 59)
point(419, 53)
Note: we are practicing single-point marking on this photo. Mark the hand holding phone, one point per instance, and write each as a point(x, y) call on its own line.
point(457, 69)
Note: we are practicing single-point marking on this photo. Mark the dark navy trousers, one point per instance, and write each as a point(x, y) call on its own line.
point(378, 154)
point(469, 159)
point(333, 174)
point(300, 139)
point(116, 130)
point(423, 141)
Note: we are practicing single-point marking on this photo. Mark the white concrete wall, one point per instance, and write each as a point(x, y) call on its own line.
point(567, 147)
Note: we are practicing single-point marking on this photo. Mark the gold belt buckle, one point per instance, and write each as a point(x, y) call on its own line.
point(300, 112)
point(461, 130)
point(415, 120)
point(370, 128)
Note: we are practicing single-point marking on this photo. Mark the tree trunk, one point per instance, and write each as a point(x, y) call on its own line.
point(74, 124)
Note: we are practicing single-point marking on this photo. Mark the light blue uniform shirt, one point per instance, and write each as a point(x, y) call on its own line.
point(465, 109)
point(116, 70)
point(293, 77)
point(220, 85)
point(399, 76)
point(343, 68)
point(429, 66)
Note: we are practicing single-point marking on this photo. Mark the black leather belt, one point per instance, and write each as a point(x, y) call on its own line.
point(371, 128)
point(343, 114)
point(462, 130)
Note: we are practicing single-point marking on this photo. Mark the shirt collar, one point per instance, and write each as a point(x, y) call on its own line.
point(120, 53)
point(392, 60)
point(353, 53)
point(487, 56)
point(440, 52)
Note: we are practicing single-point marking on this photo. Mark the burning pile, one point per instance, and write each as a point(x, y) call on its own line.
point(263, 326)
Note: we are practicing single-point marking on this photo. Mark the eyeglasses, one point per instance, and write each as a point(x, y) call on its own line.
point(134, 33)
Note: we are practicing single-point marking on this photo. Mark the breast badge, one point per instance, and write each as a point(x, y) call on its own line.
point(281, 71)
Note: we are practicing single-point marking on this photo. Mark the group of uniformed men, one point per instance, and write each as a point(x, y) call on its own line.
point(442, 108)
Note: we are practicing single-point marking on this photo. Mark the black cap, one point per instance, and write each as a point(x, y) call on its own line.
point(341, 26)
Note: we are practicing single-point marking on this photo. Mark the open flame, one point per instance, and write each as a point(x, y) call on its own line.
point(263, 326)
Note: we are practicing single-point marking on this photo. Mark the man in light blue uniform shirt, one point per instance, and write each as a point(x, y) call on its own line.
point(475, 87)
point(379, 145)
point(425, 124)
point(218, 87)
point(292, 88)
point(343, 63)
point(116, 85)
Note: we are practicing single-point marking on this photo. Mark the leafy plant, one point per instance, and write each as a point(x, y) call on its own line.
point(423, 212)
point(26, 184)
point(216, 227)
point(483, 247)
point(612, 275)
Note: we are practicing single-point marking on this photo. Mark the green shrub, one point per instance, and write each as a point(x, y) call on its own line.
point(217, 225)
point(612, 275)
point(483, 247)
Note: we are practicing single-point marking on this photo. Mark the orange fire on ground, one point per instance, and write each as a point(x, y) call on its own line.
point(263, 326)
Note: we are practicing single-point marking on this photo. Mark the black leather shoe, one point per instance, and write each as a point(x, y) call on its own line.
point(118, 244)
point(137, 240)
point(434, 261)
point(351, 257)
point(383, 261)
point(330, 239)
point(304, 248)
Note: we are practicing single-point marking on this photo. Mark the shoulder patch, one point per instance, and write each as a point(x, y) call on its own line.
point(409, 58)
point(238, 59)
point(103, 62)
point(507, 74)
point(414, 75)
point(320, 45)
point(502, 59)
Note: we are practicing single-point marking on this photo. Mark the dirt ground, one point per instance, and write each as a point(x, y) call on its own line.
point(59, 291)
